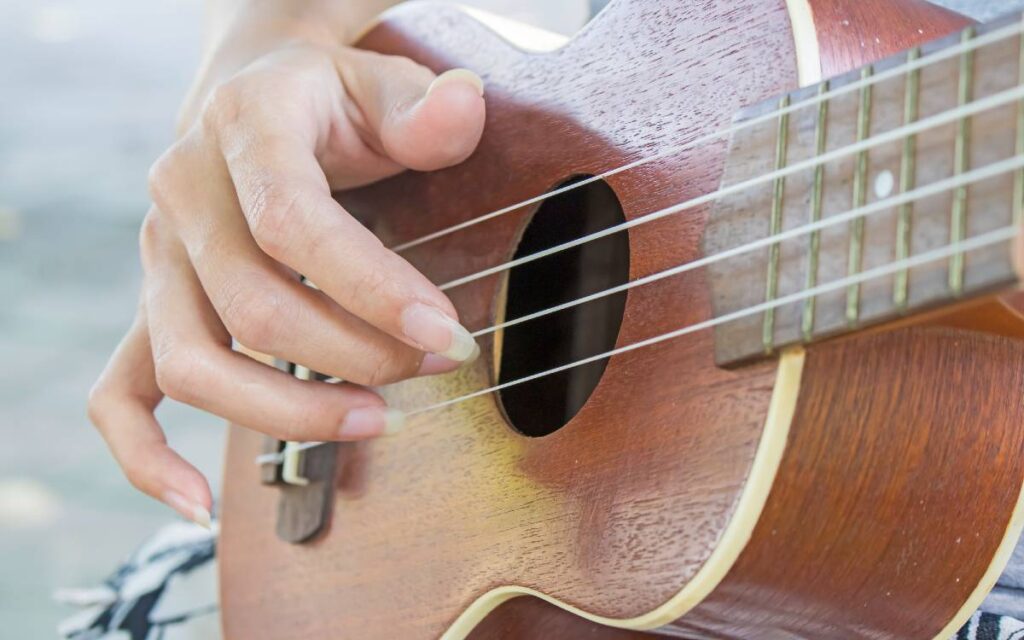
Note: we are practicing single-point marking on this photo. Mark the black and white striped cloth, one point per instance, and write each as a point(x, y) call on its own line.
point(167, 591)
point(989, 626)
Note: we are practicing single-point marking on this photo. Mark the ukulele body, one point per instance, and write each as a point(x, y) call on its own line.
point(868, 487)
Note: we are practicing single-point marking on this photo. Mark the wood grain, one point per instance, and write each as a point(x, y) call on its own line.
point(618, 510)
point(304, 510)
point(739, 283)
point(879, 524)
point(459, 495)
point(852, 33)
point(832, 605)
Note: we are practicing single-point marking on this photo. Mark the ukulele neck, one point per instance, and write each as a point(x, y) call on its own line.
point(873, 195)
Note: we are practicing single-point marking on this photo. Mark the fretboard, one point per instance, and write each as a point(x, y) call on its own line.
point(863, 177)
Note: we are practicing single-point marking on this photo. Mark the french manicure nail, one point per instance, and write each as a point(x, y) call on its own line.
point(370, 422)
point(434, 364)
point(188, 509)
point(457, 75)
point(435, 332)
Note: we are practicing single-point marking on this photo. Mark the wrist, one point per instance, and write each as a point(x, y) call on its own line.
point(240, 31)
point(339, 21)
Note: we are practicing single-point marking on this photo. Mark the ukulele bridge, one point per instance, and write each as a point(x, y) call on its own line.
point(304, 476)
point(292, 454)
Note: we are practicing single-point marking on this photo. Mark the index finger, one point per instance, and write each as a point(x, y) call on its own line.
point(295, 220)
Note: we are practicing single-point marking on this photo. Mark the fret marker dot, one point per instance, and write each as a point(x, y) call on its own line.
point(884, 184)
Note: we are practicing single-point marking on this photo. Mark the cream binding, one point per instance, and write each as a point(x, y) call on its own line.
point(780, 412)
point(734, 538)
point(779, 418)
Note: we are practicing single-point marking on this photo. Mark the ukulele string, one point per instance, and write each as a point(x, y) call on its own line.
point(967, 110)
point(963, 180)
point(906, 131)
point(977, 175)
point(935, 57)
point(1002, 234)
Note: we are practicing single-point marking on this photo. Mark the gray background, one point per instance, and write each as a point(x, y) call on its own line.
point(88, 92)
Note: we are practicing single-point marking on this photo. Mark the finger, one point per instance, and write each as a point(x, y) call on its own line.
point(195, 365)
point(421, 121)
point(263, 305)
point(294, 220)
point(121, 406)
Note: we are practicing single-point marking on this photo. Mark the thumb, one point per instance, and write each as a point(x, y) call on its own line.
point(417, 119)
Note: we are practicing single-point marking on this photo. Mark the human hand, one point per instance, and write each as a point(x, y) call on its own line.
point(242, 205)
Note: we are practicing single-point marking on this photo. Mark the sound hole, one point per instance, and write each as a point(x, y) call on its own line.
point(541, 407)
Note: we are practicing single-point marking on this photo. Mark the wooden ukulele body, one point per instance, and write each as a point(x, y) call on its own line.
point(866, 488)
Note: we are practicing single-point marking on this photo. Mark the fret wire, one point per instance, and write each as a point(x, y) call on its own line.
point(958, 218)
point(931, 59)
point(975, 175)
point(1007, 166)
point(908, 180)
point(894, 135)
point(775, 225)
point(962, 164)
point(814, 240)
point(859, 198)
point(1003, 234)
point(1018, 179)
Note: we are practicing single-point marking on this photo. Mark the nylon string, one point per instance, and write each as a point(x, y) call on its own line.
point(965, 246)
point(966, 179)
point(993, 37)
point(998, 168)
point(952, 115)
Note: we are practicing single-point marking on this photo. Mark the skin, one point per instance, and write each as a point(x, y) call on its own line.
point(281, 114)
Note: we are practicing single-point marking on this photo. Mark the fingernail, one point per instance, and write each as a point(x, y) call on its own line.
point(434, 364)
point(370, 422)
point(457, 75)
point(189, 510)
point(436, 333)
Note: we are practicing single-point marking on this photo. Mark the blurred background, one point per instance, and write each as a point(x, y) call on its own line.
point(88, 94)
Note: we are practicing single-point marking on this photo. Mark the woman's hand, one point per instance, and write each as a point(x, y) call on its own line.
point(242, 204)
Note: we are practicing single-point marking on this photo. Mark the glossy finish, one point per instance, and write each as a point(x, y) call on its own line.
point(618, 510)
point(937, 154)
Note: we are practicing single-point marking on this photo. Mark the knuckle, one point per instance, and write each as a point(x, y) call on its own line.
point(385, 368)
point(98, 404)
point(402, 65)
point(224, 104)
point(252, 316)
point(149, 236)
point(137, 473)
point(380, 373)
point(295, 429)
point(165, 174)
point(272, 211)
point(311, 421)
point(179, 373)
point(101, 403)
point(372, 283)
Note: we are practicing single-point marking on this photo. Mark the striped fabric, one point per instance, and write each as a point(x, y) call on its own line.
point(989, 626)
point(167, 591)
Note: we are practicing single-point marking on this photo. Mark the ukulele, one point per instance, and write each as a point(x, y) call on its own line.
point(743, 275)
